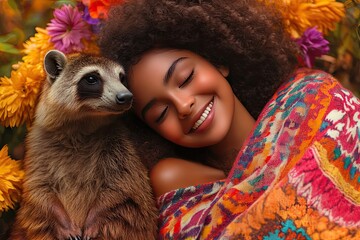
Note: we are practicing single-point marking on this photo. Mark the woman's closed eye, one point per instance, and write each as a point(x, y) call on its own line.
point(162, 115)
point(187, 80)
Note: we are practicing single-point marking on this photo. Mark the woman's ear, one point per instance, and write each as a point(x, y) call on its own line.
point(224, 71)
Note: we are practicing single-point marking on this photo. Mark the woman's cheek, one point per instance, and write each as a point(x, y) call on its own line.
point(172, 131)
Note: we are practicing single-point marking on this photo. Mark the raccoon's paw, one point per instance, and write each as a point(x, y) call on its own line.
point(91, 232)
point(92, 225)
point(69, 233)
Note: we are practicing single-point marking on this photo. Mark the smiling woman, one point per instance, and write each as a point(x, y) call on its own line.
point(218, 79)
point(209, 60)
point(187, 100)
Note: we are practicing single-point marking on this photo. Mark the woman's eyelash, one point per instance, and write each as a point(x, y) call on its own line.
point(188, 79)
point(162, 115)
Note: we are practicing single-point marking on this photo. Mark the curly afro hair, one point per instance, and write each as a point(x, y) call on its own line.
point(244, 35)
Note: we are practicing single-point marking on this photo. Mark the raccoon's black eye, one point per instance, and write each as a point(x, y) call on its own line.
point(91, 78)
point(90, 86)
point(122, 78)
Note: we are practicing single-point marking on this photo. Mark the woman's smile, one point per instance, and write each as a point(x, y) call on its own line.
point(206, 116)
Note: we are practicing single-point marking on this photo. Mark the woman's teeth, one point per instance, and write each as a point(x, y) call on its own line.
point(204, 115)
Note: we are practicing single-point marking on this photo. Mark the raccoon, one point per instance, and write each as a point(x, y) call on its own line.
point(84, 178)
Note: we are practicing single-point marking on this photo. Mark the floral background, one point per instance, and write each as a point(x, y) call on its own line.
point(28, 28)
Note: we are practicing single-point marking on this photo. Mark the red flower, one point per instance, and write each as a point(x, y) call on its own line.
point(99, 8)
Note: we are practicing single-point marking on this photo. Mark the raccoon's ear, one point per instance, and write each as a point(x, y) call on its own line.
point(54, 63)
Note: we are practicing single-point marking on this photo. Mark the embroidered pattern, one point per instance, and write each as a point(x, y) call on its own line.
point(297, 176)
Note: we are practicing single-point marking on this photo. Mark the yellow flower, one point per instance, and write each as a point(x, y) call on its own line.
point(18, 94)
point(36, 47)
point(300, 15)
point(11, 176)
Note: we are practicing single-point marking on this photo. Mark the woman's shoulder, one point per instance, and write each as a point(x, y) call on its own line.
point(307, 77)
point(304, 82)
point(305, 89)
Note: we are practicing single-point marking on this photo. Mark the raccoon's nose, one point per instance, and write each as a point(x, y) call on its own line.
point(122, 98)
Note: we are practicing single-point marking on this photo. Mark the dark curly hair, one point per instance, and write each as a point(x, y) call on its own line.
point(244, 35)
point(240, 34)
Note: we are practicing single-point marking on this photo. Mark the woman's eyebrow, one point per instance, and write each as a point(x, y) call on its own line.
point(171, 70)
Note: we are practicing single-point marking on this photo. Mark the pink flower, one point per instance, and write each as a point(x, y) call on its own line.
point(312, 44)
point(67, 29)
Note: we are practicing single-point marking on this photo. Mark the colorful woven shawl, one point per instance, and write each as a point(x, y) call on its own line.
point(297, 176)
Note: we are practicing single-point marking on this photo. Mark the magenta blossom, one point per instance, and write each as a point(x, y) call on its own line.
point(312, 44)
point(67, 29)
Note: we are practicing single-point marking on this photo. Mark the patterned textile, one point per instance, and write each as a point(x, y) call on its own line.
point(296, 177)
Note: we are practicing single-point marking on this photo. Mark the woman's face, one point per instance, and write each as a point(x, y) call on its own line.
point(183, 97)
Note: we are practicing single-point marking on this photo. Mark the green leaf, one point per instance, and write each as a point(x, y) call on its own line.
point(14, 37)
point(13, 5)
point(8, 48)
point(7, 37)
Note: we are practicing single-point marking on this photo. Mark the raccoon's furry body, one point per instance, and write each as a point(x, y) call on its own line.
point(83, 179)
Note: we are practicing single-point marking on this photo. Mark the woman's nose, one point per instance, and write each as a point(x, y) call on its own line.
point(183, 104)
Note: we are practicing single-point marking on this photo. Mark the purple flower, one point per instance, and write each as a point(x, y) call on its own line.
point(312, 44)
point(94, 23)
point(88, 18)
point(67, 29)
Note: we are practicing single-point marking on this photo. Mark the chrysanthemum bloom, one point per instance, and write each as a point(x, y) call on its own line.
point(11, 175)
point(36, 47)
point(18, 94)
point(312, 45)
point(299, 15)
point(67, 29)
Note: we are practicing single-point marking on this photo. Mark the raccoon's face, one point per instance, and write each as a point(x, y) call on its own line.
point(84, 84)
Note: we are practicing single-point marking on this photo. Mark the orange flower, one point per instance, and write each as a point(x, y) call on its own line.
point(36, 47)
point(11, 176)
point(18, 94)
point(100, 8)
point(299, 15)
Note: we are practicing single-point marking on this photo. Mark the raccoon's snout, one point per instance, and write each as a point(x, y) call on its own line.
point(124, 97)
